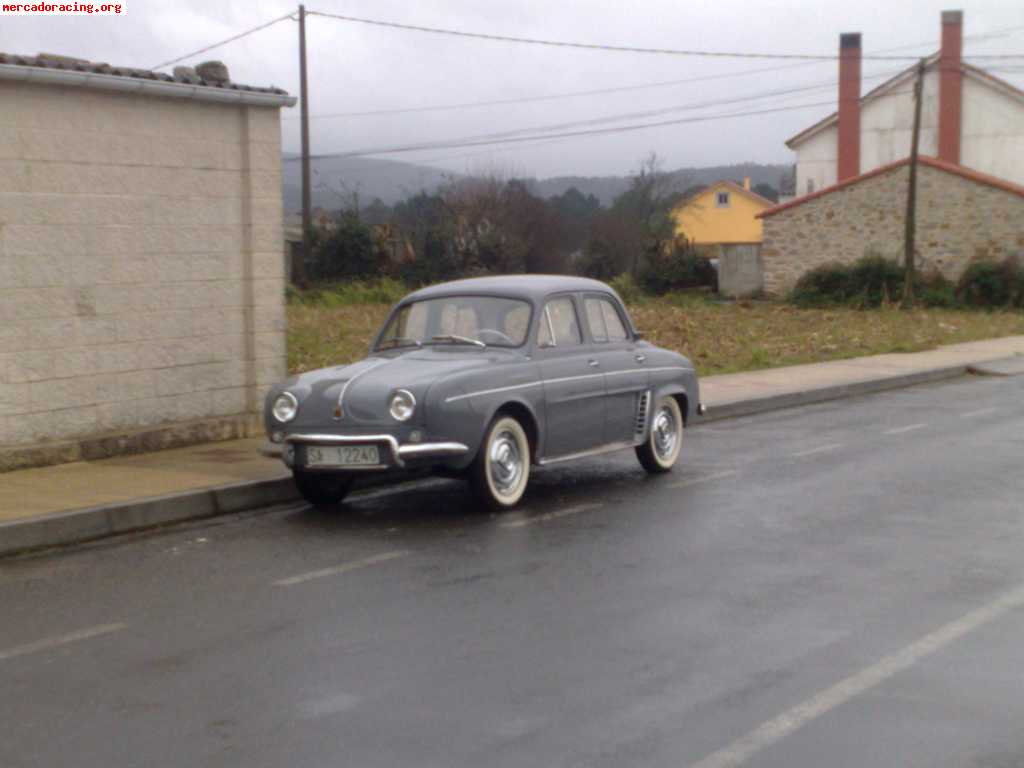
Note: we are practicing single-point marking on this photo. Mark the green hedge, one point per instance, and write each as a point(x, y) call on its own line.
point(869, 282)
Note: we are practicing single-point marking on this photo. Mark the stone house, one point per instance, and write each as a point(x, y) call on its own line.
point(961, 215)
point(852, 171)
point(141, 269)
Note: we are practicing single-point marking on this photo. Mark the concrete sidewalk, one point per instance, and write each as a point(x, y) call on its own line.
point(73, 502)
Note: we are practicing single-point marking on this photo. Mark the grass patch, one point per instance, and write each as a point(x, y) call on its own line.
point(720, 337)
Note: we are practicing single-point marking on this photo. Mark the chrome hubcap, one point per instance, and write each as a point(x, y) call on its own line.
point(506, 463)
point(665, 433)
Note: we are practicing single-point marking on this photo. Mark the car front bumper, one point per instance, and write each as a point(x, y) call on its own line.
point(400, 454)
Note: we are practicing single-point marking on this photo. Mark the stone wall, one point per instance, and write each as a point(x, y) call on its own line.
point(141, 272)
point(959, 219)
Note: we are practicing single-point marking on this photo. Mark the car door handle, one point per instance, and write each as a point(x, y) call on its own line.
point(640, 358)
point(593, 363)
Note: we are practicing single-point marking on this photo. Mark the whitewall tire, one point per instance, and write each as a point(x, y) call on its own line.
point(660, 450)
point(502, 467)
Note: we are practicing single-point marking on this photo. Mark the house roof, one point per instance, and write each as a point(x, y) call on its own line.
point(102, 75)
point(732, 186)
point(903, 77)
point(931, 162)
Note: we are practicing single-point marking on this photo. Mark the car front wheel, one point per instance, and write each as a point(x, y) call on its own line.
point(322, 489)
point(502, 468)
point(665, 439)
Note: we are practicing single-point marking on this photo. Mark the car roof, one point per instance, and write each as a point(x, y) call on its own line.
point(521, 286)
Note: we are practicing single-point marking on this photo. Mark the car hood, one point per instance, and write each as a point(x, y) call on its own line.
point(368, 384)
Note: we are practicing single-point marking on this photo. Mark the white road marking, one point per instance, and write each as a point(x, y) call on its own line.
point(902, 430)
point(776, 729)
point(339, 569)
point(819, 449)
point(550, 516)
point(55, 642)
point(704, 479)
point(979, 412)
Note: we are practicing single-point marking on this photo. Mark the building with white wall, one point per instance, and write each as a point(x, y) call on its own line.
point(968, 117)
point(141, 267)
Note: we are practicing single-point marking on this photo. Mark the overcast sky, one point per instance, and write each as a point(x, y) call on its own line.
point(354, 67)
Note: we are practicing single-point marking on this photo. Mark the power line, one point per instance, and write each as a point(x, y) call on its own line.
point(458, 143)
point(594, 46)
point(239, 36)
point(624, 88)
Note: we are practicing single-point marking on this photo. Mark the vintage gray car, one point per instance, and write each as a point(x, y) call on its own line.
point(485, 378)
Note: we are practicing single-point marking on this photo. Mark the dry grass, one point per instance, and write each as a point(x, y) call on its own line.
point(718, 337)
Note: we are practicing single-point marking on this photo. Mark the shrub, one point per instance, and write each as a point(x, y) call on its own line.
point(627, 288)
point(991, 284)
point(874, 280)
point(678, 269)
point(868, 282)
point(827, 284)
point(934, 290)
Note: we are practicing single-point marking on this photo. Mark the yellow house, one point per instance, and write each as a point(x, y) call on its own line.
point(725, 212)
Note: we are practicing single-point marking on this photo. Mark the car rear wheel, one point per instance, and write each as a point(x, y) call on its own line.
point(322, 489)
point(665, 439)
point(502, 467)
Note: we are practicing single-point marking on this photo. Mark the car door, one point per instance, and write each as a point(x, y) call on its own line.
point(573, 385)
point(623, 365)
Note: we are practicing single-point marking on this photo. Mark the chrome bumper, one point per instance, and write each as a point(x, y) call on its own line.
point(399, 453)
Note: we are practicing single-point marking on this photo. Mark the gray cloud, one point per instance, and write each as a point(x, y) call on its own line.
point(360, 68)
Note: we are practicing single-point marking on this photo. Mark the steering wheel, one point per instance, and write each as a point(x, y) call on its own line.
point(493, 332)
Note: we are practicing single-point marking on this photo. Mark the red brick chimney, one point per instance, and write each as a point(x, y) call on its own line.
point(849, 106)
point(950, 86)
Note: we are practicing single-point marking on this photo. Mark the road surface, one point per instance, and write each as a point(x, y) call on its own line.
point(837, 585)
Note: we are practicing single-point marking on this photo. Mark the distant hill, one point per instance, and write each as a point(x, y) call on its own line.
point(334, 179)
point(607, 188)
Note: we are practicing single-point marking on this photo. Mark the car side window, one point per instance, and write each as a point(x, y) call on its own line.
point(613, 323)
point(558, 325)
point(604, 321)
point(595, 320)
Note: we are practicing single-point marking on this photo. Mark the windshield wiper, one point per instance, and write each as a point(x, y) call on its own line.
point(458, 339)
point(399, 341)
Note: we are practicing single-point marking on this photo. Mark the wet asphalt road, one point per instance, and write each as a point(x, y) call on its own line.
point(836, 585)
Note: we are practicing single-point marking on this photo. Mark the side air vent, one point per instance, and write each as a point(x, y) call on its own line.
point(641, 414)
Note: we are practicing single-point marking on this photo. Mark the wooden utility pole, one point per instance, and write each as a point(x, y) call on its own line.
point(908, 243)
point(299, 270)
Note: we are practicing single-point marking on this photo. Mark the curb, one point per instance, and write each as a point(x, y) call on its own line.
point(749, 407)
point(82, 525)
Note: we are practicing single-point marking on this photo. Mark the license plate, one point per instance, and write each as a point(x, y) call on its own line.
point(342, 455)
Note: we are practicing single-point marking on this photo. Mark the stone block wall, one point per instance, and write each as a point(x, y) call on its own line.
point(959, 219)
point(141, 273)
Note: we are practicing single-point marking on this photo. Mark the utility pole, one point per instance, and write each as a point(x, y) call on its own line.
point(299, 272)
point(908, 243)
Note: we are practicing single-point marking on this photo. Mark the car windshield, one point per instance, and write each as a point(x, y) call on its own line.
point(471, 321)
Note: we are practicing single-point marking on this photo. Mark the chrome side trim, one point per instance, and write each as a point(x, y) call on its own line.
point(399, 453)
point(495, 391)
point(586, 454)
point(564, 379)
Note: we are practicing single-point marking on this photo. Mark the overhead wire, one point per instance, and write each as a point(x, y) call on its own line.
point(591, 46)
point(239, 36)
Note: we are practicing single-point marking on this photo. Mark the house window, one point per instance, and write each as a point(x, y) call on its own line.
point(722, 200)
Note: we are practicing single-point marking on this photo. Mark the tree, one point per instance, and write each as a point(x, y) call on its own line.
point(347, 252)
point(638, 224)
point(767, 191)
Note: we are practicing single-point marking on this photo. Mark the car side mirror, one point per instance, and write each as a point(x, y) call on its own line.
point(637, 335)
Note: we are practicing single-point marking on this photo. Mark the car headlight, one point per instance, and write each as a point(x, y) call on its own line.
point(285, 407)
point(402, 405)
